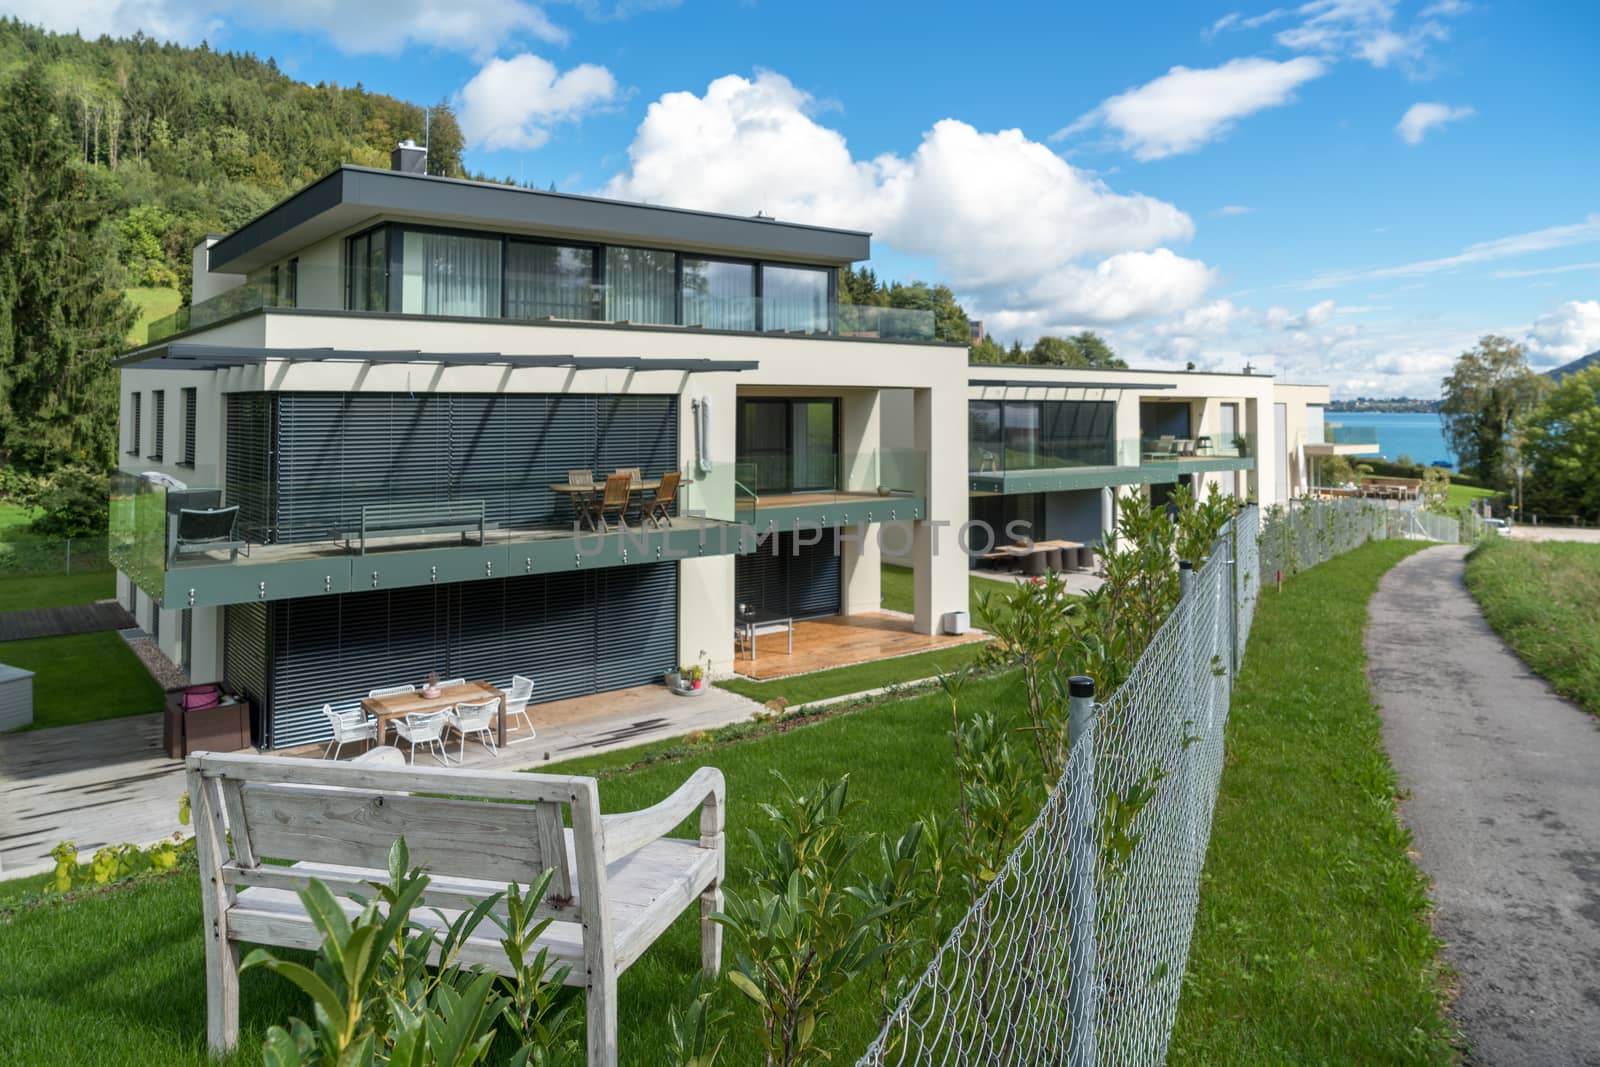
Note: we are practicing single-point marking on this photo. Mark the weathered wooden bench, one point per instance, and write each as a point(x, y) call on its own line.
point(378, 520)
point(618, 881)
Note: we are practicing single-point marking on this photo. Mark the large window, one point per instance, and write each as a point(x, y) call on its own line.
point(1039, 434)
point(788, 446)
point(794, 298)
point(719, 295)
point(368, 271)
point(549, 281)
point(450, 274)
point(133, 423)
point(186, 454)
point(641, 285)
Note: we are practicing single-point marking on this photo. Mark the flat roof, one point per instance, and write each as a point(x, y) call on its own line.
point(1029, 383)
point(351, 196)
point(1010, 368)
point(192, 357)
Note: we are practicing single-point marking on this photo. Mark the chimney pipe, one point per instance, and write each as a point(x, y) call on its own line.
point(408, 157)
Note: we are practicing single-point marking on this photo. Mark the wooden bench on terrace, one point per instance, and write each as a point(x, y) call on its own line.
point(619, 881)
point(379, 520)
point(1391, 488)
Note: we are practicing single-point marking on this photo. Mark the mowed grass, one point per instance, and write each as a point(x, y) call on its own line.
point(1312, 944)
point(1543, 597)
point(118, 978)
point(153, 302)
point(83, 678)
point(1458, 496)
point(841, 681)
point(57, 590)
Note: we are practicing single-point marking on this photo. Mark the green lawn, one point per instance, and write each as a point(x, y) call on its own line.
point(83, 678)
point(897, 593)
point(1312, 944)
point(1543, 597)
point(14, 517)
point(118, 978)
point(153, 302)
point(56, 590)
point(1458, 496)
point(819, 685)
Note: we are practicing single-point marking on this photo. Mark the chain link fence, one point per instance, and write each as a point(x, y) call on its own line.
point(1303, 533)
point(28, 557)
point(1075, 953)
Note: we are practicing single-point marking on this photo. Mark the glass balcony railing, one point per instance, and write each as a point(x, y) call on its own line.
point(512, 298)
point(1335, 434)
point(992, 458)
point(776, 480)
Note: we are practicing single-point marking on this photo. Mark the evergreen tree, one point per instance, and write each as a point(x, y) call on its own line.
point(62, 313)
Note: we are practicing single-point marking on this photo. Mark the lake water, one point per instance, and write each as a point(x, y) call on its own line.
point(1418, 435)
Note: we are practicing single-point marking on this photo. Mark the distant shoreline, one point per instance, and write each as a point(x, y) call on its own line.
point(1386, 407)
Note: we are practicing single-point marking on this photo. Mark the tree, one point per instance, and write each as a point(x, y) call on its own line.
point(1083, 349)
point(988, 350)
point(1562, 448)
point(62, 313)
point(1490, 388)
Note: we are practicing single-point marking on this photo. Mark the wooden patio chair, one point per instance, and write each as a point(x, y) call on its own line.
point(582, 503)
point(659, 510)
point(619, 491)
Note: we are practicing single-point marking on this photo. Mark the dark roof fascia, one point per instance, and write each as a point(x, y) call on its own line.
point(975, 365)
point(369, 193)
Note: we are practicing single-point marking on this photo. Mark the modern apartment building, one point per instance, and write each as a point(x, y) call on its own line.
point(393, 378)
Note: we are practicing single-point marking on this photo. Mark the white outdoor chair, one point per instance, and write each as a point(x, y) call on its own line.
point(517, 698)
point(425, 728)
point(474, 719)
point(391, 691)
point(348, 726)
point(448, 682)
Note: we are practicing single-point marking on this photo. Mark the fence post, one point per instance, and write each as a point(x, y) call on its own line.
point(1083, 967)
point(69, 555)
point(1185, 578)
point(1233, 599)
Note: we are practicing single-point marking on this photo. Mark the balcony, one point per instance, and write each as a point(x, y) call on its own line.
point(837, 489)
point(456, 542)
point(509, 300)
point(1032, 466)
point(1340, 440)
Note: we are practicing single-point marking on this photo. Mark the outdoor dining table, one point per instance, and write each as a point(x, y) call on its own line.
point(1019, 551)
point(400, 705)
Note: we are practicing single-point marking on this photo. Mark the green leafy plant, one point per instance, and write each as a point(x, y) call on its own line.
point(801, 942)
point(693, 1029)
point(386, 989)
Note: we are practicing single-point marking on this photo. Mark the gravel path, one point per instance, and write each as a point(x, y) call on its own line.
point(1502, 776)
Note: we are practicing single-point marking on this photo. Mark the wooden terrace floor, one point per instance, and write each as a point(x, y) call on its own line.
point(841, 641)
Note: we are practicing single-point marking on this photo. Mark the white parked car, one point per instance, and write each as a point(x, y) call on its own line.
point(1499, 526)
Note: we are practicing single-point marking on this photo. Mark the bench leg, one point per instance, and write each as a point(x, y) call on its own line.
point(710, 932)
point(600, 1003)
point(222, 993)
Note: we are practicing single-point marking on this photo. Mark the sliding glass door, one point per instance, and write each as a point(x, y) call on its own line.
point(788, 446)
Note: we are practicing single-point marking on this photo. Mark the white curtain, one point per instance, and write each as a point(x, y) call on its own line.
point(641, 285)
point(719, 296)
point(794, 298)
point(448, 274)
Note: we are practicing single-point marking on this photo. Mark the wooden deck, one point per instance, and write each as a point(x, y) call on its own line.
point(806, 500)
point(841, 641)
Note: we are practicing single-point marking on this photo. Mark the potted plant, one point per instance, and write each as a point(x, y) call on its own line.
point(430, 687)
point(695, 676)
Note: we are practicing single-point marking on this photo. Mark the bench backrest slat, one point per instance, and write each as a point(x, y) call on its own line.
point(356, 827)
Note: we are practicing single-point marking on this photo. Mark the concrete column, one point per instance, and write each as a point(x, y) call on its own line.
point(861, 560)
point(705, 612)
point(940, 567)
point(1108, 513)
point(206, 662)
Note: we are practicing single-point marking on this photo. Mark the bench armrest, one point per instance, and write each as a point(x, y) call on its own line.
point(627, 832)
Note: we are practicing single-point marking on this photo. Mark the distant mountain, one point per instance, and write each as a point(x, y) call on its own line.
point(1581, 363)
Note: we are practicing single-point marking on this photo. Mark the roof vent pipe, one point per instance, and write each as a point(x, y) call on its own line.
point(409, 157)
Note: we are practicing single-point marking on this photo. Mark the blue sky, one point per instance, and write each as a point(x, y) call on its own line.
point(1349, 191)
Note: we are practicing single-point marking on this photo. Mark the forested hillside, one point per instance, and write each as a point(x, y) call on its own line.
point(188, 141)
point(116, 157)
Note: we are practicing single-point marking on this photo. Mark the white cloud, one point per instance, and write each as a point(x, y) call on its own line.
point(511, 103)
point(1578, 233)
point(477, 27)
point(1535, 272)
point(1570, 331)
point(1186, 108)
point(1018, 231)
point(1422, 117)
point(1367, 30)
point(1233, 209)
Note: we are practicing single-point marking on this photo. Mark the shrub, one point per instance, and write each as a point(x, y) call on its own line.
point(76, 501)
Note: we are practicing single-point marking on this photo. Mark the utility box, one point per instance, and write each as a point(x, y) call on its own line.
point(16, 698)
point(957, 622)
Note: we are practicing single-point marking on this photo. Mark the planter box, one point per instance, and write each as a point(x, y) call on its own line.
point(224, 728)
